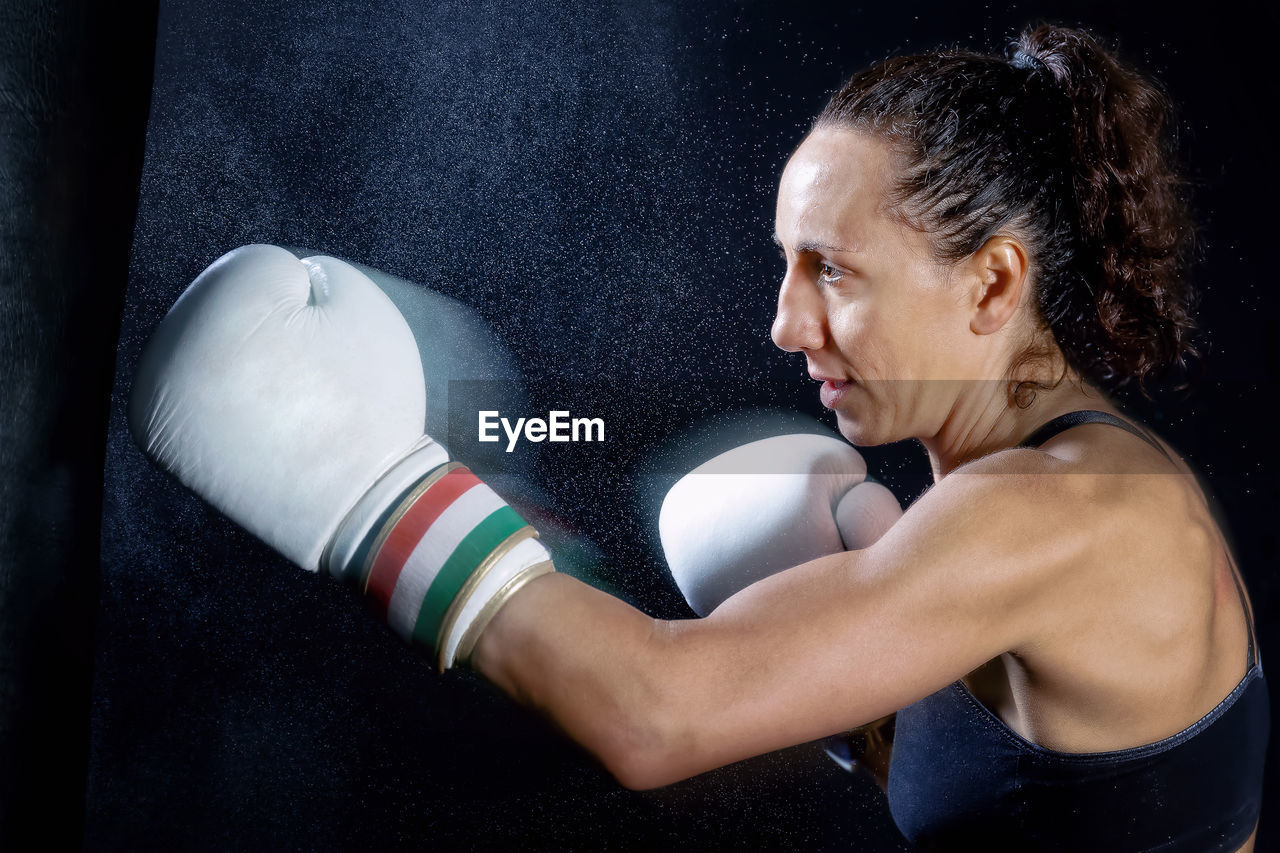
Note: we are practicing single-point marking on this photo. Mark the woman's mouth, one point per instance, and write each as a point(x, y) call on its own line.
point(832, 392)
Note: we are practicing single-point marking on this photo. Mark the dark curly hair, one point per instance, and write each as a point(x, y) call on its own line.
point(1070, 150)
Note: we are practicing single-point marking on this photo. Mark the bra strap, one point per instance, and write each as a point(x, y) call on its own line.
point(1065, 422)
point(1248, 611)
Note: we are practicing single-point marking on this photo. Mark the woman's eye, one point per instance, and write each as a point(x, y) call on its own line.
point(827, 273)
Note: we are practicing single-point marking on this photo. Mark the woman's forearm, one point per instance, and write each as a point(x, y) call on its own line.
point(589, 662)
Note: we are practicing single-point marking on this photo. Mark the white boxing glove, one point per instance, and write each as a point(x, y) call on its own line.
point(289, 394)
point(767, 506)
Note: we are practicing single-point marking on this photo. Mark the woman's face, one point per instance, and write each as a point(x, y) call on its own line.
point(879, 321)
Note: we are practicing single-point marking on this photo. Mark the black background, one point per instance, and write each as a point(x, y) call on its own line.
point(597, 185)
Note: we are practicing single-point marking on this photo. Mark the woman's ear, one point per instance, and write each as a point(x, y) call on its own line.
point(999, 272)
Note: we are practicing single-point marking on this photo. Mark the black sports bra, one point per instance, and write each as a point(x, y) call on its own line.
point(961, 779)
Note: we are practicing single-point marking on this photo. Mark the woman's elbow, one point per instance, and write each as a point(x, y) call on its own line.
point(638, 774)
point(651, 740)
point(642, 769)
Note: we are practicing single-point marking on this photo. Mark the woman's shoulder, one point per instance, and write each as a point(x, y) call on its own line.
point(1140, 511)
point(1101, 467)
point(1094, 515)
point(1150, 606)
point(1141, 507)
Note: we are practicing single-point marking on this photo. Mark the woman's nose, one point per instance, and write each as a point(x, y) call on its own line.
point(798, 324)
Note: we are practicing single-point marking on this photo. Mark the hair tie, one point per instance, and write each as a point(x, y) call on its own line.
point(1022, 59)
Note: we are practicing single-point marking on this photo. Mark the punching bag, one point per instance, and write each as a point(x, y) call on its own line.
point(75, 85)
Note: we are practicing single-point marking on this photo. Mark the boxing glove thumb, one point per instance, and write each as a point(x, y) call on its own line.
point(767, 506)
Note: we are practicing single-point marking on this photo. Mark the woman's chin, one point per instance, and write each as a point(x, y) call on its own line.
point(857, 430)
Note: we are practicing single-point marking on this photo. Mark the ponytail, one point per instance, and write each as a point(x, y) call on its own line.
point(1135, 232)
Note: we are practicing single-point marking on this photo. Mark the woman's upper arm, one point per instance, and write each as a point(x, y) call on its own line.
point(981, 564)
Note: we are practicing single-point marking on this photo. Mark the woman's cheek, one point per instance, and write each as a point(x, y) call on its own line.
point(856, 338)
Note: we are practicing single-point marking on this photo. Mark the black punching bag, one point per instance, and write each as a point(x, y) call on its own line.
point(75, 84)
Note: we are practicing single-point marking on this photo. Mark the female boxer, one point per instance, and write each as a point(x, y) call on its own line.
point(976, 249)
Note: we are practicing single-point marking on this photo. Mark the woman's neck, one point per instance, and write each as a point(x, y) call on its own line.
point(984, 421)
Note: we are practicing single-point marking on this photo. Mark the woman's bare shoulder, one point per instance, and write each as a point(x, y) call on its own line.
point(1152, 543)
point(1091, 513)
point(1099, 468)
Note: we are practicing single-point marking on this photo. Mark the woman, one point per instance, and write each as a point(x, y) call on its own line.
point(976, 249)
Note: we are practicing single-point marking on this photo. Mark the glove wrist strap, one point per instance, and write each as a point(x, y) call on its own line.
point(346, 553)
point(445, 559)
